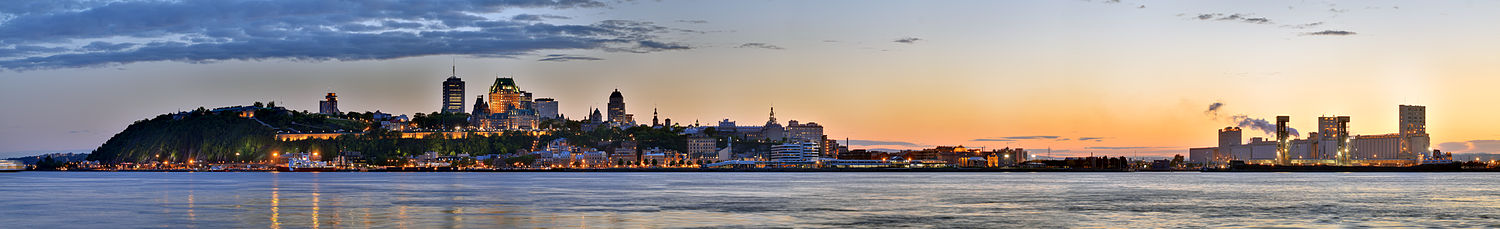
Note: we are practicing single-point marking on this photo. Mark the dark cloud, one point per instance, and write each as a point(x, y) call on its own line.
point(909, 40)
point(1233, 17)
point(693, 21)
point(536, 17)
point(759, 45)
point(566, 58)
point(1213, 109)
point(106, 46)
point(1330, 33)
point(48, 34)
point(1090, 139)
point(1303, 26)
point(660, 46)
point(25, 50)
point(857, 142)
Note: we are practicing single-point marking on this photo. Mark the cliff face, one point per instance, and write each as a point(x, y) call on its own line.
point(199, 135)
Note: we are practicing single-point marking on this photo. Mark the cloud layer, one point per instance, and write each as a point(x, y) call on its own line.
point(760, 45)
point(67, 34)
point(566, 58)
point(1331, 33)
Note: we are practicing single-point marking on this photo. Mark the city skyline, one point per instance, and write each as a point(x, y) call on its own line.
point(914, 81)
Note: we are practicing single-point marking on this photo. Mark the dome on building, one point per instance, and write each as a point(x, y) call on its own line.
point(615, 94)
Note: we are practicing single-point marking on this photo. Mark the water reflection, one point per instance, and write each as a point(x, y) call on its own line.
point(275, 200)
point(826, 200)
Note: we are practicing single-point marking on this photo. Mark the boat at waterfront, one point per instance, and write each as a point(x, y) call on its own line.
point(303, 163)
point(11, 166)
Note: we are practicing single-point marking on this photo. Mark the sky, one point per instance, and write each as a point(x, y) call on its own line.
point(1128, 78)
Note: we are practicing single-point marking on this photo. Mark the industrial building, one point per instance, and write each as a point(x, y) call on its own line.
point(1331, 145)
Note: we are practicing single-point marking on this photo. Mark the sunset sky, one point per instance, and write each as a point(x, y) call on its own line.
point(1103, 77)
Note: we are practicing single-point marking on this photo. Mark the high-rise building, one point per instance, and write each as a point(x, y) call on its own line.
point(453, 93)
point(1413, 125)
point(504, 96)
point(546, 108)
point(1413, 119)
point(616, 108)
point(329, 106)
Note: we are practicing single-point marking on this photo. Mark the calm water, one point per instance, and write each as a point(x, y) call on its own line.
point(801, 200)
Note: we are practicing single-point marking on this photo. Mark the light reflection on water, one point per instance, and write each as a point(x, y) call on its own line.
point(670, 200)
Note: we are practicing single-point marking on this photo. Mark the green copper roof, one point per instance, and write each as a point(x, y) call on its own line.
point(505, 85)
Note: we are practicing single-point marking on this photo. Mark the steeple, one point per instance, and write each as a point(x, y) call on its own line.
point(654, 121)
point(773, 115)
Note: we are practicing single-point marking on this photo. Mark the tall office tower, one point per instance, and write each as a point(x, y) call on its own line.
point(616, 107)
point(1228, 138)
point(480, 117)
point(330, 106)
point(546, 108)
point(453, 93)
point(504, 96)
point(1282, 155)
point(1413, 125)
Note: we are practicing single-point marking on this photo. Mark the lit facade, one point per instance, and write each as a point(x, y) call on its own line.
point(330, 104)
point(1413, 127)
point(702, 147)
point(797, 151)
point(616, 110)
point(504, 96)
point(810, 131)
point(453, 94)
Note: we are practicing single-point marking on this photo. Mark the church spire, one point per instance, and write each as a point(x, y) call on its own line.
point(773, 115)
